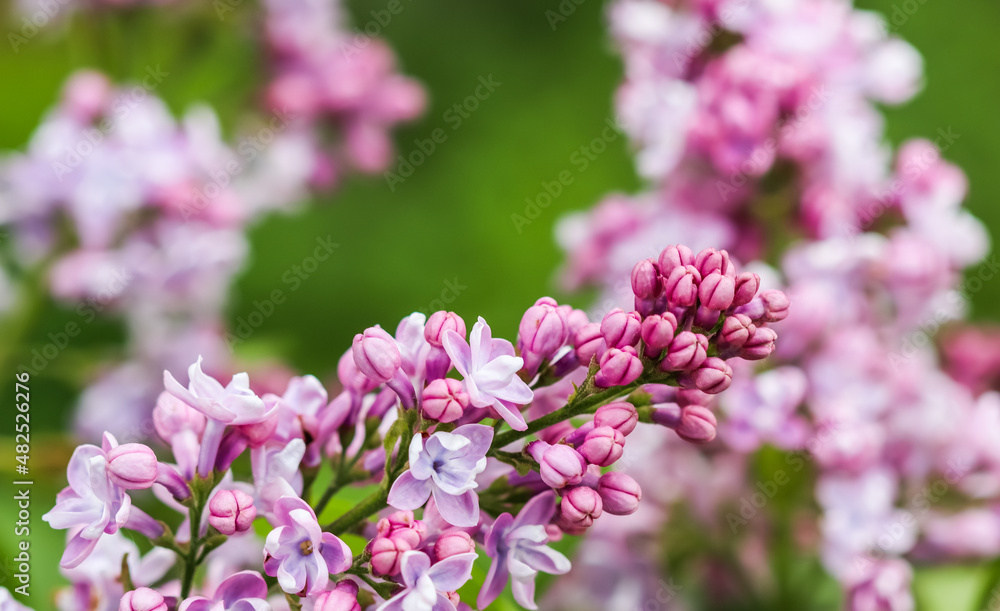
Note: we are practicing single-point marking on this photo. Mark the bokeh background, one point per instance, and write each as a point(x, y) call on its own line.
point(446, 233)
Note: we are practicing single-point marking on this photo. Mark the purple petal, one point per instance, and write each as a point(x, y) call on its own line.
point(451, 573)
point(174, 387)
point(480, 341)
point(412, 566)
point(516, 392)
point(442, 603)
point(245, 584)
point(196, 603)
point(458, 510)
point(538, 510)
point(292, 574)
point(524, 592)
point(497, 532)
point(497, 373)
point(501, 347)
point(336, 553)
point(409, 493)
point(77, 550)
point(78, 471)
point(494, 584)
point(458, 351)
point(510, 415)
point(545, 559)
point(203, 385)
point(480, 435)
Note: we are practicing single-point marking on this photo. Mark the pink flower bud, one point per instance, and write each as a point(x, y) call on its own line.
point(716, 291)
point(705, 318)
point(386, 554)
point(657, 331)
point(541, 332)
point(646, 283)
point(713, 377)
point(711, 261)
point(452, 543)
point(588, 342)
point(620, 415)
point(442, 321)
point(697, 424)
point(444, 400)
point(620, 328)
point(581, 506)
point(351, 377)
point(376, 354)
point(603, 446)
point(735, 332)
point(231, 511)
point(674, 256)
point(747, 284)
point(618, 368)
point(620, 494)
point(402, 526)
point(760, 345)
point(142, 599)
point(686, 352)
point(559, 465)
point(681, 286)
point(132, 466)
point(775, 305)
point(343, 597)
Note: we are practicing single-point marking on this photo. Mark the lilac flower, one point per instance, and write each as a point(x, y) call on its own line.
point(298, 553)
point(426, 584)
point(232, 404)
point(244, 591)
point(276, 473)
point(489, 370)
point(519, 551)
point(446, 466)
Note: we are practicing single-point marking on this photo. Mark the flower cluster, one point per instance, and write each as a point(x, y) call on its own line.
point(445, 458)
point(757, 125)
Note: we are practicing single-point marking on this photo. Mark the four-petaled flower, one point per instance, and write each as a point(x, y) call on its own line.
point(426, 585)
point(244, 591)
point(445, 465)
point(489, 371)
point(518, 548)
point(299, 553)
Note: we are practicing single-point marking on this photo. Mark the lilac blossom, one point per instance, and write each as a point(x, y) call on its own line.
point(298, 553)
point(445, 465)
point(489, 371)
point(243, 591)
point(425, 584)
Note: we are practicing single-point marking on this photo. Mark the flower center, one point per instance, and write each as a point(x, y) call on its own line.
point(307, 547)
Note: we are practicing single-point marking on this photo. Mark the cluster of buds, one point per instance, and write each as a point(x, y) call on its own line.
point(424, 441)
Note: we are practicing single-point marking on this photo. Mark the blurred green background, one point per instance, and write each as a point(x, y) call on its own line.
point(447, 231)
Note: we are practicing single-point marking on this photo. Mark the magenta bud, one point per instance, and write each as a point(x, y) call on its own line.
point(559, 465)
point(775, 305)
point(444, 400)
point(620, 328)
point(674, 256)
point(735, 332)
point(619, 367)
point(711, 261)
point(452, 543)
point(716, 291)
point(132, 466)
point(714, 376)
point(657, 331)
point(620, 494)
point(646, 283)
point(603, 446)
point(376, 354)
point(681, 286)
point(747, 284)
point(343, 597)
point(581, 506)
point(760, 345)
point(351, 377)
point(705, 318)
point(387, 553)
point(648, 307)
point(588, 342)
point(542, 331)
point(620, 415)
point(438, 323)
point(231, 511)
point(687, 351)
point(142, 599)
point(697, 424)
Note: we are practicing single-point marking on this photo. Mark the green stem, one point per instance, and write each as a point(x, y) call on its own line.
point(373, 503)
point(991, 587)
point(572, 409)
